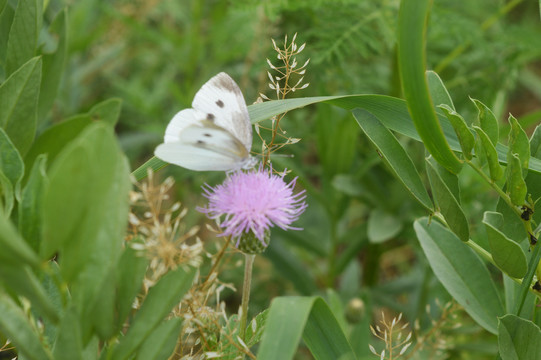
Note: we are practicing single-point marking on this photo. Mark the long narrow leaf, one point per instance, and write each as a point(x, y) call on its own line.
point(290, 318)
point(411, 41)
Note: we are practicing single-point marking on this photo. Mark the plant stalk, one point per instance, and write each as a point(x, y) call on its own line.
point(248, 265)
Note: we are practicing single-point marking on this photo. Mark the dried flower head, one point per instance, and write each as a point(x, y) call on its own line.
point(254, 201)
point(284, 78)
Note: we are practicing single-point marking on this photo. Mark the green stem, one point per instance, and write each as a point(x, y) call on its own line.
point(248, 265)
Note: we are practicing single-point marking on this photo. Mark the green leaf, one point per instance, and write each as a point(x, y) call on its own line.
point(18, 103)
point(256, 327)
point(11, 163)
point(160, 300)
point(56, 137)
point(23, 282)
point(68, 343)
point(161, 343)
point(107, 111)
point(495, 170)
point(507, 254)
point(465, 136)
point(412, 24)
point(131, 270)
point(438, 92)
point(394, 155)
point(382, 226)
point(53, 65)
point(15, 251)
point(7, 194)
point(518, 143)
point(392, 112)
point(24, 33)
point(518, 339)
point(516, 186)
point(447, 202)
point(527, 280)
point(290, 318)
point(535, 142)
point(7, 12)
point(487, 121)
point(103, 312)
point(15, 326)
point(30, 206)
point(86, 209)
point(154, 163)
point(461, 272)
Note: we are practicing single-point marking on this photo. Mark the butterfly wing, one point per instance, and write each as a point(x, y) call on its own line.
point(204, 148)
point(180, 121)
point(221, 100)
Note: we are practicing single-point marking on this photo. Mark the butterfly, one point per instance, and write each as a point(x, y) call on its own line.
point(215, 134)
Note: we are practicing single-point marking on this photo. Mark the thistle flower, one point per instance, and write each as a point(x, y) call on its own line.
point(252, 203)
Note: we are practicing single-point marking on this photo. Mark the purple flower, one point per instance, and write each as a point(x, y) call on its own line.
point(254, 201)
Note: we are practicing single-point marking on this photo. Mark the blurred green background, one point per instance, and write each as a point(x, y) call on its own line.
point(357, 236)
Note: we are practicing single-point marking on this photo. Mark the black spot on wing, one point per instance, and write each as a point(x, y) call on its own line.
point(200, 142)
point(207, 135)
point(210, 117)
point(220, 103)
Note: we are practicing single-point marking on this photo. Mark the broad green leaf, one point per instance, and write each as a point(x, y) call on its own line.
point(7, 12)
point(107, 111)
point(512, 292)
point(535, 142)
point(438, 91)
point(11, 163)
point(103, 312)
point(487, 121)
point(447, 202)
point(465, 136)
point(85, 215)
point(131, 270)
point(518, 339)
point(68, 343)
point(507, 254)
point(518, 143)
point(461, 272)
point(392, 112)
point(290, 318)
point(23, 282)
point(412, 23)
point(15, 326)
point(516, 186)
point(527, 280)
point(15, 251)
point(24, 33)
point(55, 138)
point(161, 343)
point(158, 303)
point(7, 195)
point(495, 170)
point(53, 65)
point(394, 155)
point(18, 104)
point(30, 206)
point(382, 226)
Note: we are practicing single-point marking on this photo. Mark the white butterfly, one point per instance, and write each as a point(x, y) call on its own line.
point(215, 134)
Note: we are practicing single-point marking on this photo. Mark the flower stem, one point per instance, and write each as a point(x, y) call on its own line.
point(248, 264)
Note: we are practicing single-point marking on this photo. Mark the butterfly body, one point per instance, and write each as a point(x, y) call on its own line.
point(215, 134)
